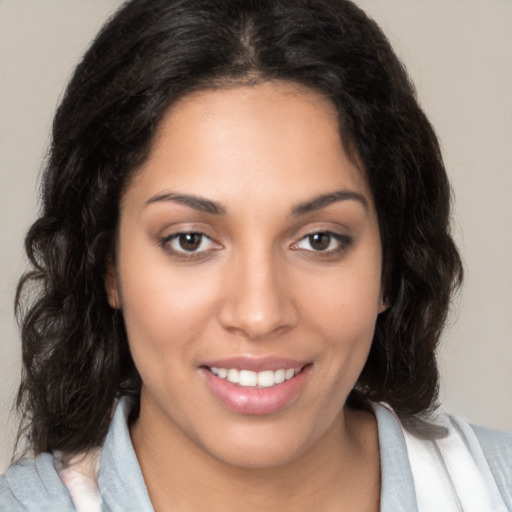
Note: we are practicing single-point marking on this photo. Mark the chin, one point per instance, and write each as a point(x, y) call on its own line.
point(272, 444)
point(258, 456)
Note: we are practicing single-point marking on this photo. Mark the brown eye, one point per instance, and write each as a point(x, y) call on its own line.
point(323, 242)
point(319, 241)
point(189, 241)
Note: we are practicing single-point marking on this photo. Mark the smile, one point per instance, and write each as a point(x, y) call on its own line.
point(256, 387)
point(248, 378)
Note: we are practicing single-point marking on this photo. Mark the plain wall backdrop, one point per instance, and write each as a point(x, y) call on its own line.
point(459, 54)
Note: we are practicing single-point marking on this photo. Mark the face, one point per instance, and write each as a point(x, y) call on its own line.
point(249, 274)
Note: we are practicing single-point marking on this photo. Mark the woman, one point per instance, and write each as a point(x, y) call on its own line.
point(244, 246)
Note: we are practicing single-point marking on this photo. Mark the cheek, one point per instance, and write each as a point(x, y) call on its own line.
point(164, 308)
point(342, 308)
point(348, 300)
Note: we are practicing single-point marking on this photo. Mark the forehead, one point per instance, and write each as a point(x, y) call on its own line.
point(271, 138)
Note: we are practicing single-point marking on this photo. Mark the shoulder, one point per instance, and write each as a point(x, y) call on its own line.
point(497, 448)
point(461, 452)
point(489, 451)
point(33, 485)
point(496, 445)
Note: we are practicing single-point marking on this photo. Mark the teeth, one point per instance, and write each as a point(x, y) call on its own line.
point(233, 376)
point(266, 379)
point(280, 376)
point(247, 378)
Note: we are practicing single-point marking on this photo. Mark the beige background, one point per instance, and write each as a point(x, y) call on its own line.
point(459, 53)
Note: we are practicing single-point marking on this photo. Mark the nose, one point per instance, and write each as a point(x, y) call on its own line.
point(258, 301)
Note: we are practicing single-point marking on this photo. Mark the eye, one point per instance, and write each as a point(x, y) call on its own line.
point(188, 243)
point(323, 242)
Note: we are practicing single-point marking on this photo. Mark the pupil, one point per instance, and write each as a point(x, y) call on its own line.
point(320, 241)
point(190, 241)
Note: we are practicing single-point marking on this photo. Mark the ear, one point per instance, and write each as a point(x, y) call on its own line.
point(112, 287)
point(383, 305)
point(384, 296)
point(383, 301)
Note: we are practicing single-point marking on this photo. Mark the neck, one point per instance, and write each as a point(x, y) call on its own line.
point(342, 468)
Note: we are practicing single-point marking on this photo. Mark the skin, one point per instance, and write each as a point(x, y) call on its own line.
point(256, 286)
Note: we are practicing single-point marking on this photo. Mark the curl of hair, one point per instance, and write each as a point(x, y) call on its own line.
point(76, 359)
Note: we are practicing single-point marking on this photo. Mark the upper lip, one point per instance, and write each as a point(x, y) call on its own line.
point(256, 364)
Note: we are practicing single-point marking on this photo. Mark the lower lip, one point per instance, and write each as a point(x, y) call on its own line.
point(254, 400)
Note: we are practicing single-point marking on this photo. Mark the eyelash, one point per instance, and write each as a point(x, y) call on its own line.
point(167, 244)
point(343, 242)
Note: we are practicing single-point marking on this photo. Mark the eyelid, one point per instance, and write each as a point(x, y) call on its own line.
point(165, 243)
point(344, 242)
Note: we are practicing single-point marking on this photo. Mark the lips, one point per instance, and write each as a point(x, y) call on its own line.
point(256, 386)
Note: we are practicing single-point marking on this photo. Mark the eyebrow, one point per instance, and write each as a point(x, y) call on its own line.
point(195, 202)
point(206, 205)
point(324, 200)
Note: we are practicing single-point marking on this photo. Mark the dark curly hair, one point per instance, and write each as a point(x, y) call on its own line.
point(76, 359)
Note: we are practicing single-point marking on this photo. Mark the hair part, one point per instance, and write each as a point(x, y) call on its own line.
point(76, 359)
